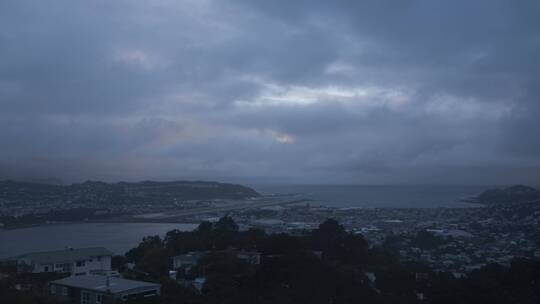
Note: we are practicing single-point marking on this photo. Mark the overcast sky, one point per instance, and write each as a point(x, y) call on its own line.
point(364, 92)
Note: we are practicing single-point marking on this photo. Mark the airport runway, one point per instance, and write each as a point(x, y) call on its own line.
point(160, 217)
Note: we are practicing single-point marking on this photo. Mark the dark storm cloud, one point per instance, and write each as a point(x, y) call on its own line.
point(308, 91)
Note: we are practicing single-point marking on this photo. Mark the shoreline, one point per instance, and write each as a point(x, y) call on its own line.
point(115, 221)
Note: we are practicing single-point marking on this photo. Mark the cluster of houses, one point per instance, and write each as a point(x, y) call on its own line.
point(188, 271)
point(91, 279)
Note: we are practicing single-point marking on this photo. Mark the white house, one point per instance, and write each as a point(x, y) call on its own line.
point(187, 260)
point(78, 261)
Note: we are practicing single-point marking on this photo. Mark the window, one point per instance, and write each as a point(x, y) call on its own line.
point(81, 263)
point(64, 291)
point(46, 269)
point(85, 297)
point(53, 289)
point(66, 267)
point(99, 299)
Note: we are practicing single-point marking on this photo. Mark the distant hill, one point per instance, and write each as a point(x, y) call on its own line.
point(101, 193)
point(36, 180)
point(513, 194)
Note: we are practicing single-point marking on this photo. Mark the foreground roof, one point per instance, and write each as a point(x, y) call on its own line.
point(99, 283)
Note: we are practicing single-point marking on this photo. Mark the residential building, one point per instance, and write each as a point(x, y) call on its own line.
point(98, 289)
point(187, 260)
point(191, 259)
point(77, 261)
point(250, 257)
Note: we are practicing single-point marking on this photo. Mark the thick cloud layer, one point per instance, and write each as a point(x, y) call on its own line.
point(281, 91)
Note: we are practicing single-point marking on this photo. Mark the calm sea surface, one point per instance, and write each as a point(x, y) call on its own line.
point(118, 237)
point(430, 196)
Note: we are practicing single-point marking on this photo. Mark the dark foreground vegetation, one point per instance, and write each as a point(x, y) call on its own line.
point(326, 265)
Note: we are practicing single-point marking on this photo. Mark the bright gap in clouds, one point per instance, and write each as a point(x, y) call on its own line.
point(360, 96)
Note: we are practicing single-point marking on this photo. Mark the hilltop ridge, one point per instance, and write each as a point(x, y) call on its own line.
point(98, 192)
point(512, 194)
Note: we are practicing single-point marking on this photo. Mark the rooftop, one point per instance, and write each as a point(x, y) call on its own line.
point(192, 257)
point(99, 283)
point(65, 255)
